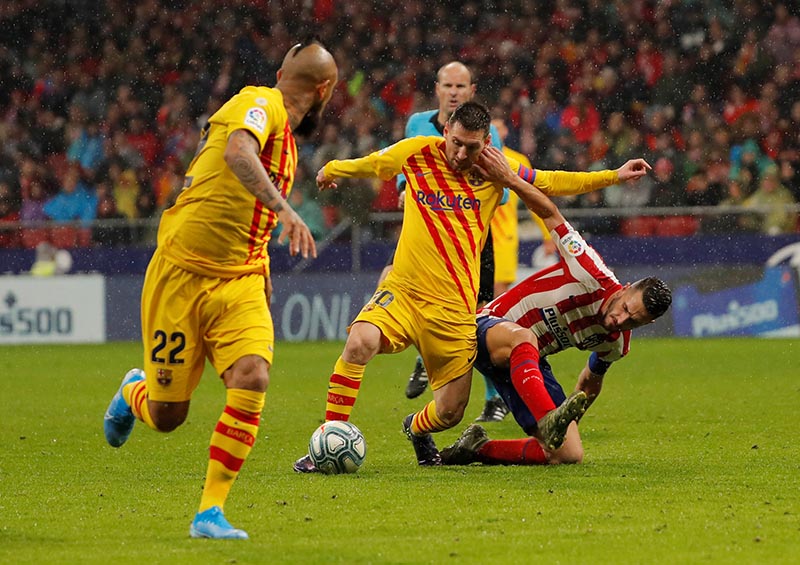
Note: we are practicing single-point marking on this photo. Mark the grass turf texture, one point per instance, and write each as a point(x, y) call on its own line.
point(691, 456)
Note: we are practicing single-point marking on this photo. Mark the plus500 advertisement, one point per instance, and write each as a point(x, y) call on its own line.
point(767, 308)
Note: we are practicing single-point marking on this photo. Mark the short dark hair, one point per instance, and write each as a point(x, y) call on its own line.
point(473, 116)
point(310, 39)
point(656, 295)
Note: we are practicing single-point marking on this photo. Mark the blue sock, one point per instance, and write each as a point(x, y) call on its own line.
point(491, 392)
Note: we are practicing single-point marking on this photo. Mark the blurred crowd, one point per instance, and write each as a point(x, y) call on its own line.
point(102, 101)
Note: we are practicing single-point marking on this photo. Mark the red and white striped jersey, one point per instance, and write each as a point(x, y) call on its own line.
point(561, 303)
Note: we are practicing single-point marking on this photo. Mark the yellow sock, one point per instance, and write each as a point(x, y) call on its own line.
point(135, 395)
point(426, 421)
point(231, 443)
point(343, 390)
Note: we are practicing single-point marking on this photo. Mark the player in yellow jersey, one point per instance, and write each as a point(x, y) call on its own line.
point(206, 290)
point(505, 234)
point(455, 84)
point(428, 299)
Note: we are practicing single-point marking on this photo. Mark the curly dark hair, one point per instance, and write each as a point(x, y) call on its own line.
point(656, 295)
point(472, 116)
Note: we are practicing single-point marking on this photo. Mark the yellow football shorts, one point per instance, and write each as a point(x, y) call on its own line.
point(506, 257)
point(445, 338)
point(187, 318)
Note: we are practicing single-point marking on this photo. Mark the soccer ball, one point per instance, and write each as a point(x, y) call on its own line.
point(337, 447)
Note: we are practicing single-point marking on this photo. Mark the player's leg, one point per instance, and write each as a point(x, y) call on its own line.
point(174, 357)
point(519, 345)
point(442, 413)
point(363, 343)
point(239, 337)
point(378, 328)
point(418, 380)
point(494, 409)
point(447, 343)
point(498, 342)
point(474, 444)
point(231, 442)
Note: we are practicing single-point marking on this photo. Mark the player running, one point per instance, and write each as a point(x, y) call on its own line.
point(454, 86)
point(204, 291)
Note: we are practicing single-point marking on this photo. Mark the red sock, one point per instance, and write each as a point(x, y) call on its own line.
point(528, 380)
point(513, 452)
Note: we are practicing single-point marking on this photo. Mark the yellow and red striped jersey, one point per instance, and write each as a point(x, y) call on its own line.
point(446, 215)
point(447, 212)
point(217, 227)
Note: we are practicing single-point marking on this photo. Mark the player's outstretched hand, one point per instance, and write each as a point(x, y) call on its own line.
point(297, 232)
point(493, 165)
point(324, 182)
point(633, 170)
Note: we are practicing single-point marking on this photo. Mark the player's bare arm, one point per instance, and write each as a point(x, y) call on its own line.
point(590, 383)
point(633, 170)
point(242, 156)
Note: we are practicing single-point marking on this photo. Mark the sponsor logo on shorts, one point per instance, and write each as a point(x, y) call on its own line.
point(256, 118)
point(441, 202)
point(550, 319)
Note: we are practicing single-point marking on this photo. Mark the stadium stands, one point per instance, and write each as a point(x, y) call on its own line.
point(712, 87)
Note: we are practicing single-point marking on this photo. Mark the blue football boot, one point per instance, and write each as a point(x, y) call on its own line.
point(212, 524)
point(119, 420)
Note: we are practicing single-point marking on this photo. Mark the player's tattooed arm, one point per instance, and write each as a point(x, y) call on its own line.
point(242, 156)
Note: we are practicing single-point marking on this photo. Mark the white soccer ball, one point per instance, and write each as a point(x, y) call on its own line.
point(337, 447)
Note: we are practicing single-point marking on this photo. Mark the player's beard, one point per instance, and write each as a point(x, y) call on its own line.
point(310, 121)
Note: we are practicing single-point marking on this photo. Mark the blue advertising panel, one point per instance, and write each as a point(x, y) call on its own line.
point(318, 306)
point(767, 307)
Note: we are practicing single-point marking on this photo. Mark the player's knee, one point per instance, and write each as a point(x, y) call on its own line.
point(363, 343)
point(521, 335)
point(251, 372)
point(167, 416)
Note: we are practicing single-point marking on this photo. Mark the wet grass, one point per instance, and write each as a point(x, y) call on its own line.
point(691, 457)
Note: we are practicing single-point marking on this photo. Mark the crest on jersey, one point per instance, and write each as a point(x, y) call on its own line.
point(573, 244)
point(164, 377)
point(474, 179)
point(256, 118)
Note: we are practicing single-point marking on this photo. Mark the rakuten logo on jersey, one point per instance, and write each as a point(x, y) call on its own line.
point(440, 201)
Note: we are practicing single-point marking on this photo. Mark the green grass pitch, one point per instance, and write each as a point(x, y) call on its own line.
point(691, 457)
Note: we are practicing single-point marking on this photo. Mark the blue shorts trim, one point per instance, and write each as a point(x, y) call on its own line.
point(501, 378)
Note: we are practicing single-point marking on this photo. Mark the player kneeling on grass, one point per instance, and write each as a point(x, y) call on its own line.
point(575, 303)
